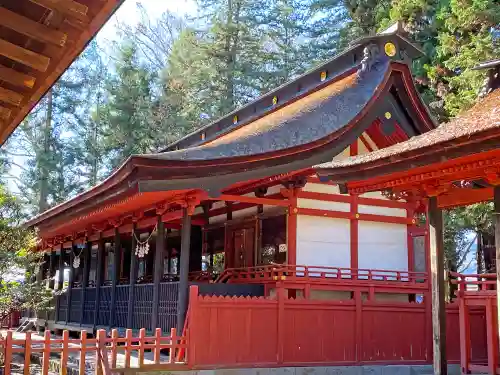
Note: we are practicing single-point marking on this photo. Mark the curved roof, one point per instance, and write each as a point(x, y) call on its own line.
point(39, 39)
point(477, 124)
point(311, 127)
point(329, 108)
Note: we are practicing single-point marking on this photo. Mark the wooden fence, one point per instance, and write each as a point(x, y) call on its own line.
point(256, 331)
point(108, 354)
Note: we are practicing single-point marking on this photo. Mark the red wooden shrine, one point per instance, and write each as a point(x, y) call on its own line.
point(234, 237)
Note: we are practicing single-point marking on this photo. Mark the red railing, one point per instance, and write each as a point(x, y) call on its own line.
point(103, 352)
point(474, 283)
point(317, 274)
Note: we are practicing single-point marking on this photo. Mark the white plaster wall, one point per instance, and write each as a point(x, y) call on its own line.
point(386, 211)
point(245, 212)
point(321, 188)
point(323, 205)
point(217, 219)
point(382, 246)
point(323, 241)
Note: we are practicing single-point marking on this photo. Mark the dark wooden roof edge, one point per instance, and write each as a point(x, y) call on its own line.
point(447, 141)
point(352, 56)
point(96, 24)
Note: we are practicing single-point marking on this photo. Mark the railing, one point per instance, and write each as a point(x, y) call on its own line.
point(317, 274)
point(474, 283)
point(167, 309)
point(104, 354)
point(75, 309)
point(143, 305)
point(121, 309)
point(89, 307)
point(63, 305)
point(104, 306)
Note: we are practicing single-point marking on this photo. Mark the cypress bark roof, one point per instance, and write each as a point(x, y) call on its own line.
point(330, 108)
point(482, 117)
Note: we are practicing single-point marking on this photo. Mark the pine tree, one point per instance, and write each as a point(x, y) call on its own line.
point(43, 144)
point(126, 116)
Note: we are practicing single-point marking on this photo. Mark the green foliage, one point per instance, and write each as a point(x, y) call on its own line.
point(125, 116)
point(18, 263)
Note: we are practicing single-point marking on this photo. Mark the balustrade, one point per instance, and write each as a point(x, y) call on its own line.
point(104, 306)
point(75, 312)
point(89, 308)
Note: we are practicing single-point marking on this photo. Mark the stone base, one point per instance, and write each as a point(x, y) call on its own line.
point(325, 370)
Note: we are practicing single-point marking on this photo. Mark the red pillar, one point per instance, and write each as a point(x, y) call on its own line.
point(491, 338)
point(463, 315)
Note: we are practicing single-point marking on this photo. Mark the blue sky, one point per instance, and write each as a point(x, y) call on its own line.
point(127, 13)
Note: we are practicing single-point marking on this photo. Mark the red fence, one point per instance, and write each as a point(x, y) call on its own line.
point(101, 352)
point(234, 332)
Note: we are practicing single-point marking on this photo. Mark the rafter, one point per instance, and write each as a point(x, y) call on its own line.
point(15, 78)
point(4, 113)
point(67, 7)
point(24, 56)
point(31, 28)
point(10, 97)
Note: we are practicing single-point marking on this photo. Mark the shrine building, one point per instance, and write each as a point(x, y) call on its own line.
point(241, 237)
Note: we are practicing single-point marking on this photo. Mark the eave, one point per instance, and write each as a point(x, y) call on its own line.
point(39, 39)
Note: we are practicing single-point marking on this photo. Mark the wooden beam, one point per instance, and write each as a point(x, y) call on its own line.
point(67, 7)
point(15, 78)
point(437, 276)
point(24, 56)
point(158, 270)
point(4, 113)
point(464, 197)
point(99, 276)
point(59, 284)
point(133, 278)
point(87, 257)
point(10, 97)
point(116, 276)
point(182, 299)
point(255, 200)
point(30, 28)
point(71, 278)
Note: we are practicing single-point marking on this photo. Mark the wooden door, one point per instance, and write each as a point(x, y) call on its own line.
point(242, 247)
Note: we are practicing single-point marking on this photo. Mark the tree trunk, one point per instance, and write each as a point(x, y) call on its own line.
point(44, 171)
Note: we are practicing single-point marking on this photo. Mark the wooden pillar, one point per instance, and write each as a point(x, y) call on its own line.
point(291, 227)
point(354, 234)
point(182, 300)
point(464, 324)
point(133, 279)
point(496, 200)
point(158, 269)
point(116, 276)
point(52, 266)
point(169, 255)
point(60, 282)
point(70, 281)
point(438, 289)
point(87, 255)
point(491, 336)
point(98, 282)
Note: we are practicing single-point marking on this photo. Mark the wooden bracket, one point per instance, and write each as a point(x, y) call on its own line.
point(115, 222)
point(436, 189)
point(492, 176)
